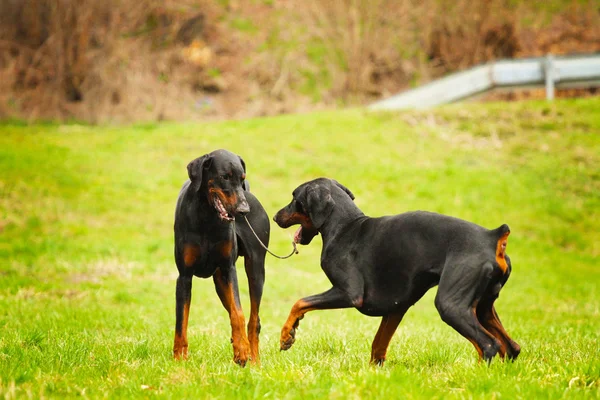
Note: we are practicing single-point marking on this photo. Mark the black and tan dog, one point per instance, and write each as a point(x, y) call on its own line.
point(382, 266)
point(209, 236)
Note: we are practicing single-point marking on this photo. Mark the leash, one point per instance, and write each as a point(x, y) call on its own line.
point(294, 251)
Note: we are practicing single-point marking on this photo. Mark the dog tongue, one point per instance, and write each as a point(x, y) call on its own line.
point(298, 235)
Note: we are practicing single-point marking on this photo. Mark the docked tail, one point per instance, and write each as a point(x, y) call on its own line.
point(500, 235)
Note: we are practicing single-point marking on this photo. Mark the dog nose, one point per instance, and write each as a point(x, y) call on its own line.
point(243, 208)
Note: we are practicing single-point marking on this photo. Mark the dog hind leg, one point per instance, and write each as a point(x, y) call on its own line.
point(226, 285)
point(486, 314)
point(255, 270)
point(459, 292)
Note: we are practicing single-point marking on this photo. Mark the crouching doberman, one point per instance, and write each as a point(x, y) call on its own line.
point(210, 234)
point(382, 266)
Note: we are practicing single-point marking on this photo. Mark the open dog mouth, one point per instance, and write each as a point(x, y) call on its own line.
point(223, 214)
point(305, 232)
point(304, 235)
point(298, 235)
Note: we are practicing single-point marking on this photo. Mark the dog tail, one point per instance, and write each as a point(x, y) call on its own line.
point(500, 231)
point(500, 236)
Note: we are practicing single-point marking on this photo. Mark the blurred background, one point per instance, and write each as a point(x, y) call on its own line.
point(148, 60)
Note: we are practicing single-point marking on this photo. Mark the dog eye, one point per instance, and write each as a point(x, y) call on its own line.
point(225, 177)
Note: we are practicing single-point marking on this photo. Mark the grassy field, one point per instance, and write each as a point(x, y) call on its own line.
point(87, 278)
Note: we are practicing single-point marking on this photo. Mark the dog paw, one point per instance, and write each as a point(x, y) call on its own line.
point(378, 361)
point(287, 340)
point(180, 354)
point(241, 353)
point(240, 361)
point(513, 350)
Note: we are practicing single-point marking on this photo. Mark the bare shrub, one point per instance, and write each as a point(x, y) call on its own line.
point(363, 41)
point(577, 30)
point(124, 60)
point(464, 33)
point(91, 59)
point(376, 47)
point(50, 42)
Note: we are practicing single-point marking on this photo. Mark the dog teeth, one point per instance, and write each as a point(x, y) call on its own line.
point(221, 210)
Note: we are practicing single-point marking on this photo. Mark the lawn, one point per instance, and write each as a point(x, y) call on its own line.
point(87, 278)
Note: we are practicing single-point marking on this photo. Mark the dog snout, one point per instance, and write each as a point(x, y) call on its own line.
point(282, 219)
point(243, 207)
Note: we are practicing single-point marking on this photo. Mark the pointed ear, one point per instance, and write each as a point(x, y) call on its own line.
point(195, 169)
point(319, 204)
point(243, 163)
point(344, 188)
point(245, 184)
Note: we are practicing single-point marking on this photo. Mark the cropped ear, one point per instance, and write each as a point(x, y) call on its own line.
point(344, 188)
point(195, 169)
point(319, 204)
point(243, 163)
point(245, 184)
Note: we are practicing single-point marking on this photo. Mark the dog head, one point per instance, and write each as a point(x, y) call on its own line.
point(311, 206)
point(221, 176)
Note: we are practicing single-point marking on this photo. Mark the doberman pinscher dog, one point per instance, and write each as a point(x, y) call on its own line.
point(382, 266)
point(210, 234)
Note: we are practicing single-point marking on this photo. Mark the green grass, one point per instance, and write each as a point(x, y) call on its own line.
point(87, 278)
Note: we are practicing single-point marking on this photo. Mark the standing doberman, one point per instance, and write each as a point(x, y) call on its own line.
point(210, 234)
point(382, 266)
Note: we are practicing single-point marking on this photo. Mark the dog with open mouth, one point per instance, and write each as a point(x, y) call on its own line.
point(210, 234)
point(382, 266)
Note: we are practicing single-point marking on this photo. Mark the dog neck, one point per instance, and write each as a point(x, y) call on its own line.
point(341, 219)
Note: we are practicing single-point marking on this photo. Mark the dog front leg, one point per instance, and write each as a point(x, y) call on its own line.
point(183, 297)
point(227, 288)
point(332, 299)
point(387, 328)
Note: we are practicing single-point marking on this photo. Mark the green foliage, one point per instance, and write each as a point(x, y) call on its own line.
point(243, 25)
point(87, 278)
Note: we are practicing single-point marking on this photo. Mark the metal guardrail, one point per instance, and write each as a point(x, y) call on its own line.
point(549, 71)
